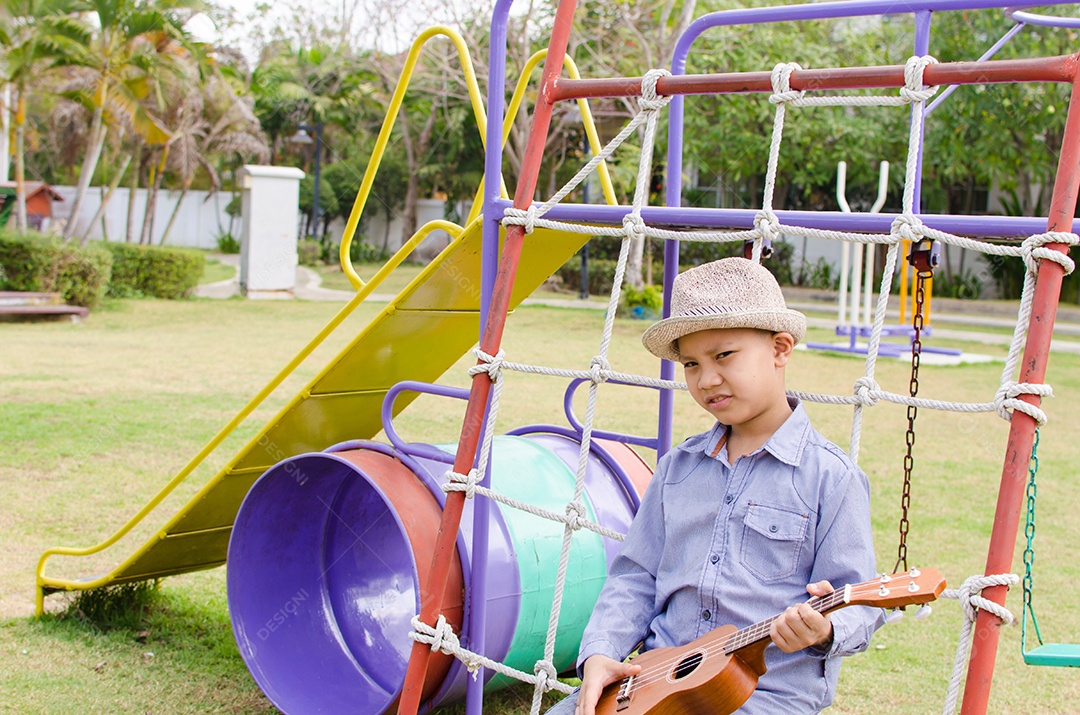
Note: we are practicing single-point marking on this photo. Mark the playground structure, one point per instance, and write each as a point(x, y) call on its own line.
point(854, 316)
point(318, 440)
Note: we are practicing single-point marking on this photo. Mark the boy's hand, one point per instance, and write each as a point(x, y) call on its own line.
point(801, 626)
point(598, 673)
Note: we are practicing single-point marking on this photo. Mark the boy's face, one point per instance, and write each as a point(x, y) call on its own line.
point(736, 374)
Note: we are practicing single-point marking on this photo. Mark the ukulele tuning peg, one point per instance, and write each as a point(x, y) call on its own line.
point(924, 612)
point(894, 616)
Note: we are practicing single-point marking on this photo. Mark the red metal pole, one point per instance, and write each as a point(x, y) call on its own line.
point(1041, 69)
point(493, 331)
point(1014, 474)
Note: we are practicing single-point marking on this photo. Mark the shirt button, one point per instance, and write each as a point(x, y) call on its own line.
point(706, 615)
point(728, 498)
point(714, 558)
point(774, 528)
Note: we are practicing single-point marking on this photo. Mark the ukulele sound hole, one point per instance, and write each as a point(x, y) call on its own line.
point(687, 665)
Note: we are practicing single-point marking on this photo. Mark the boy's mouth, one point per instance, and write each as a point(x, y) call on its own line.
point(718, 401)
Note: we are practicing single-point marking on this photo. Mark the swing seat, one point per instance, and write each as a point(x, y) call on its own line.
point(1062, 655)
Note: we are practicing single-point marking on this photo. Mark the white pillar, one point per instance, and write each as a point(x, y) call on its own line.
point(270, 214)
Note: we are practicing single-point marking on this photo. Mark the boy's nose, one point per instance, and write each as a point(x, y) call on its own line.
point(710, 378)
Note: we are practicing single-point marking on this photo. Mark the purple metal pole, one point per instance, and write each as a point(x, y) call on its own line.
point(489, 267)
point(1006, 226)
point(922, 47)
point(672, 197)
point(425, 451)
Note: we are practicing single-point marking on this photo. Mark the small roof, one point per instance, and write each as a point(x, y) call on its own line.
point(8, 188)
point(276, 172)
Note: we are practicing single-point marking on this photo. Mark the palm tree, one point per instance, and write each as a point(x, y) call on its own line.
point(211, 123)
point(138, 44)
point(37, 36)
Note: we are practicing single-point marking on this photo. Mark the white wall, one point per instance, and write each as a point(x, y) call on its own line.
point(200, 220)
point(197, 225)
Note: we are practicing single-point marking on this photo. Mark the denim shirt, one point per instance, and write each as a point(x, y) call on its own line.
point(716, 544)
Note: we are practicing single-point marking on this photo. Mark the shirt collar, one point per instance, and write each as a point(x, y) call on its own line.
point(786, 444)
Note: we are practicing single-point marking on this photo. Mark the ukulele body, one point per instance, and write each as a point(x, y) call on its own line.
point(695, 679)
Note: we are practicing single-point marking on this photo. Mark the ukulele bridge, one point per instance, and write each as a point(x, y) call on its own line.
point(622, 700)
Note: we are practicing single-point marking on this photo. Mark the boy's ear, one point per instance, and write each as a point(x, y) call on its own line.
point(783, 344)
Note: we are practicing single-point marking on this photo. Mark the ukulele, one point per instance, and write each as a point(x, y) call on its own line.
point(717, 673)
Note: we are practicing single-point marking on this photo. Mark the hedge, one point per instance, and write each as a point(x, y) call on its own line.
point(604, 252)
point(601, 275)
point(154, 271)
point(38, 263)
point(308, 252)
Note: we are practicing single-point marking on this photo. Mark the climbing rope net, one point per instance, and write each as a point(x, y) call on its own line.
point(766, 228)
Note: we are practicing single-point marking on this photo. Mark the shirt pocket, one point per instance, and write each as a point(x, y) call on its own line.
point(772, 541)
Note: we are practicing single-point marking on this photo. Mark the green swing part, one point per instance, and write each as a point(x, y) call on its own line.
point(1062, 655)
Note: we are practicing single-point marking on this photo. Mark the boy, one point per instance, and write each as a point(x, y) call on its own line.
point(739, 519)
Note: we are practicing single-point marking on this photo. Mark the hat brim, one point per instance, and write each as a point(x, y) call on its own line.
point(661, 337)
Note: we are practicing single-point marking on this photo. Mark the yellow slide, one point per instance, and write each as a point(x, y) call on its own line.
point(417, 336)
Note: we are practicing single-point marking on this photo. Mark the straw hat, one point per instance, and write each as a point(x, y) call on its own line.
point(729, 293)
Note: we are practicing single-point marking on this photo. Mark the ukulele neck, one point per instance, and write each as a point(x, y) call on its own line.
point(760, 631)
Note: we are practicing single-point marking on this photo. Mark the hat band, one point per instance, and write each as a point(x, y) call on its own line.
point(706, 310)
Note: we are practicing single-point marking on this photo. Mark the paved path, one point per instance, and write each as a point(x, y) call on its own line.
point(953, 319)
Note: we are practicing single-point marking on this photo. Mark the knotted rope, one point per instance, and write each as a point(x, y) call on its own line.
point(972, 602)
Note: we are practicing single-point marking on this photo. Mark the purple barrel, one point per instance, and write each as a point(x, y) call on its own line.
point(329, 553)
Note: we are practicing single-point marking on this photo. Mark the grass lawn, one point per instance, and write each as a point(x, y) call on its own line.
point(216, 271)
point(96, 416)
point(334, 278)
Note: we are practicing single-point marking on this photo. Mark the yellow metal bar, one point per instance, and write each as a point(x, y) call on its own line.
point(514, 107)
point(904, 246)
point(927, 299)
point(583, 106)
point(388, 125)
point(453, 229)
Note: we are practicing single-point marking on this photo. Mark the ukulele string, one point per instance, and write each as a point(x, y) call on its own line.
point(660, 670)
point(747, 635)
point(743, 637)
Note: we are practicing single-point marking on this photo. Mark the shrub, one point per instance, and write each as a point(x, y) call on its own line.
point(966, 285)
point(154, 271)
point(227, 243)
point(123, 606)
point(33, 262)
point(820, 274)
point(647, 303)
point(604, 254)
point(601, 275)
point(361, 252)
point(309, 252)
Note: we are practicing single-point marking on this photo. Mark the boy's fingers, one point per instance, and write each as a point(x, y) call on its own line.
point(586, 703)
point(782, 629)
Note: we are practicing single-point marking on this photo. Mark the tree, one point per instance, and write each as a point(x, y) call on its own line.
point(215, 124)
point(37, 36)
point(1008, 135)
point(328, 205)
point(138, 43)
point(628, 37)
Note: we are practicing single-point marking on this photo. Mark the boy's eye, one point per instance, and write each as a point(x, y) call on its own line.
point(720, 356)
point(689, 364)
